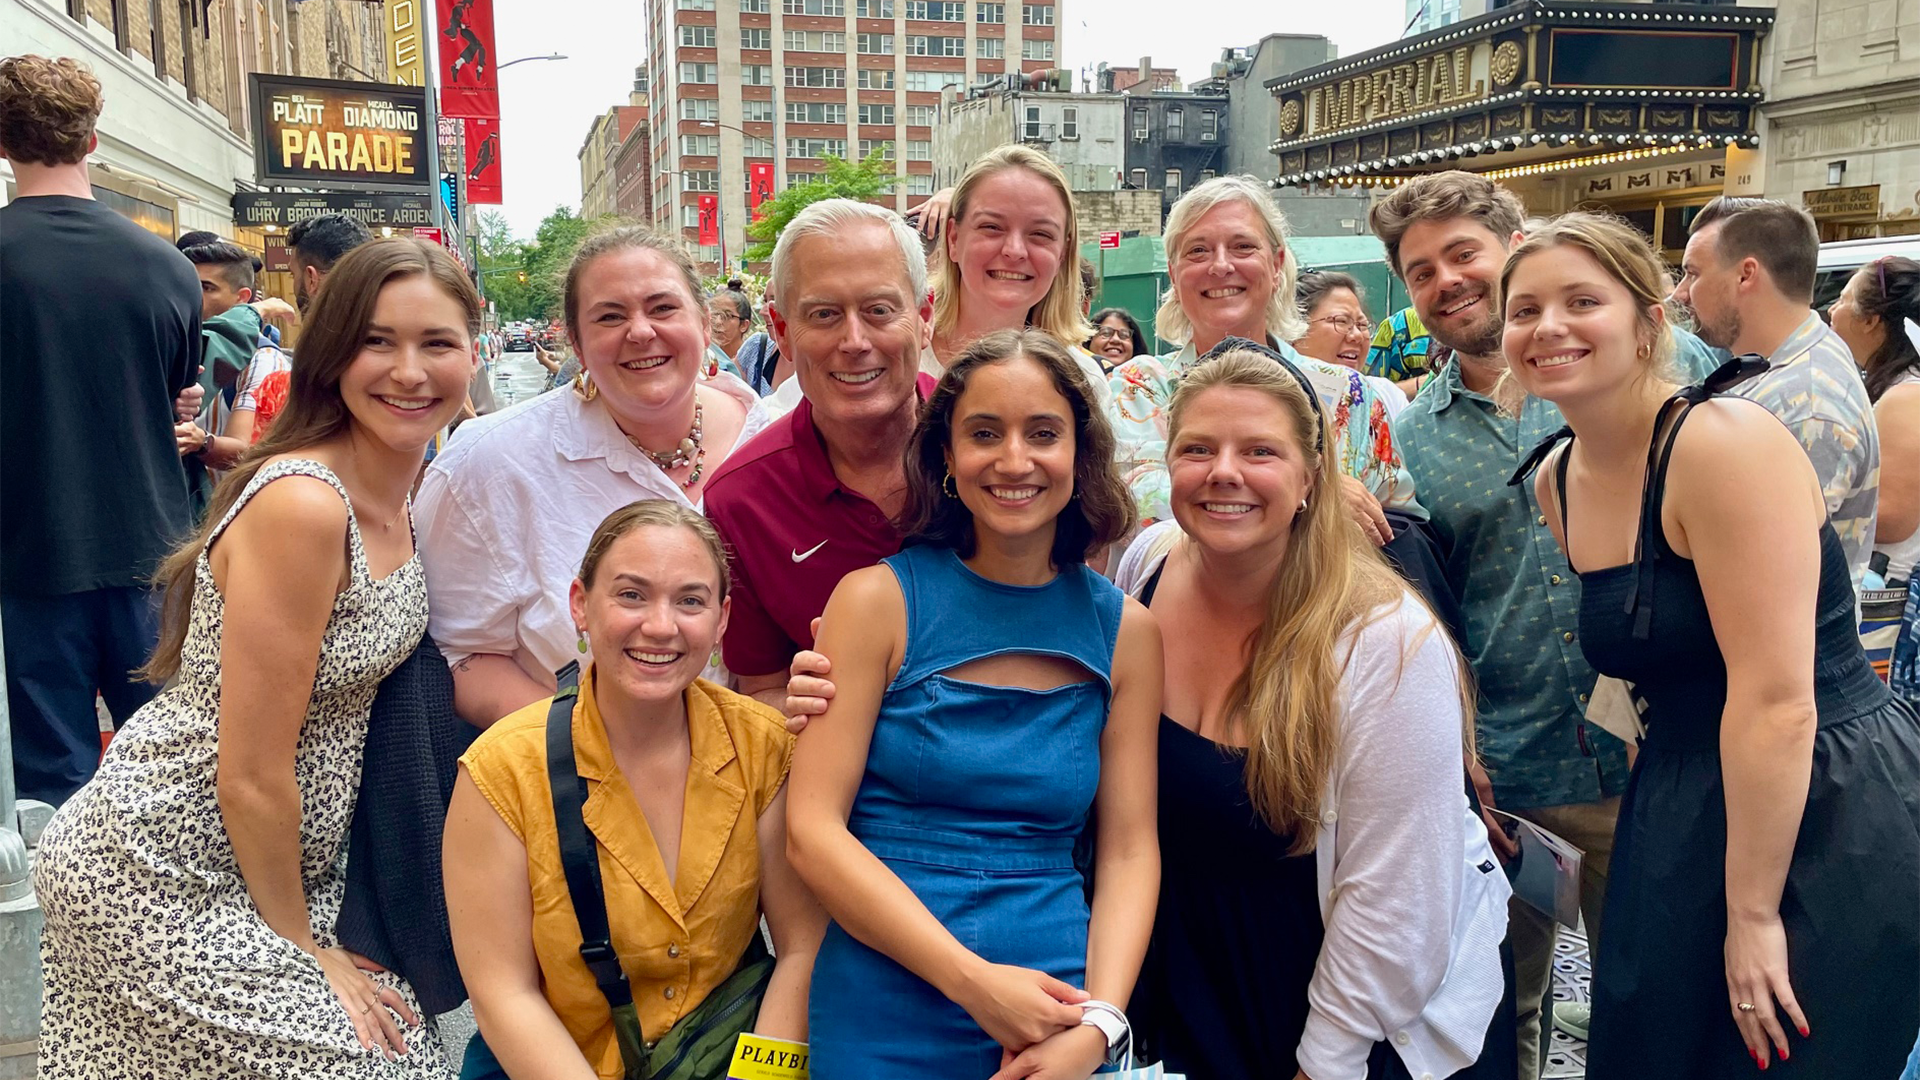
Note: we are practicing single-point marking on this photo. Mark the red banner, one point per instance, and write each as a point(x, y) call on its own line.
point(709, 220)
point(469, 82)
point(483, 160)
point(759, 185)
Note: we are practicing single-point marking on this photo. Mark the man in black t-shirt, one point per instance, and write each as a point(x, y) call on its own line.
point(100, 322)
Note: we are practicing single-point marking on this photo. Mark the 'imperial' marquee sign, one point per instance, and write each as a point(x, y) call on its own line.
point(321, 132)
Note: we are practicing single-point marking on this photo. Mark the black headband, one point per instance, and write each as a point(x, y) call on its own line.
point(1234, 344)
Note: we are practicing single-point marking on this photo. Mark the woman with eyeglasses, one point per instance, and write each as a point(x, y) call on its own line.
point(1116, 338)
point(1338, 330)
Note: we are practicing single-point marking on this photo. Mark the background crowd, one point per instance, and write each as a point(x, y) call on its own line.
point(1051, 704)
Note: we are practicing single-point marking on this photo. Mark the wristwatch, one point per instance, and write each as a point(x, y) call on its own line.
point(205, 443)
point(1111, 1023)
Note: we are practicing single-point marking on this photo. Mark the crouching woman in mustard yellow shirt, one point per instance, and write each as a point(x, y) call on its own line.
point(685, 803)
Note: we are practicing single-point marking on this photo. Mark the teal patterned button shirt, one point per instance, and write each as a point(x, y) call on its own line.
point(1520, 599)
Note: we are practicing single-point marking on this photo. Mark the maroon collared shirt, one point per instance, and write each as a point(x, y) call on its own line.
point(792, 531)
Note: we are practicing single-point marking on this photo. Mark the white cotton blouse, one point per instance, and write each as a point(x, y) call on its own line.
point(505, 511)
point(1413, 902)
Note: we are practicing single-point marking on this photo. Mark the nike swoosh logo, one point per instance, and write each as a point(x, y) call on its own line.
point(802, 556)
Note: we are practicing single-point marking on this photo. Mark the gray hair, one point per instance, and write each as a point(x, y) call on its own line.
point(1284, 321)
point(830, 216)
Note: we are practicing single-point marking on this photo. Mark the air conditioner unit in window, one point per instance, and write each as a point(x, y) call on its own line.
point(1207, 136)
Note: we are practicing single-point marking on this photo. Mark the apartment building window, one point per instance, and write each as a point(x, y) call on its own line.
point(695, 5)
point(919, 184)
point(1069, 121)
point(690, 217)
point(919, 150)
point(756, 75)
point(1209, 125)
point(754, 7)
point(757, 146)
point(1173, 185)
point(937, 10)
point(1036, 14)
point(816, 76)
point(885, 146)
point(990, 48)
point(706, 253)
point(753, 37)
point(922, 115)
point(1036, 49)
point(875, 44)
point(699, 109)
point(698, 37)
point(1137, 178)
point(699, 73)
point(814, 7)
point(815, 41)
point(933, 80)
point(815, 112)
point(990, 13)
point(701, 179)
point(877, 114)
point(700, 145)
point(756, 112)
point(874, 9)
point(1032, 130)
point(813, 148)
point(926, 45)
point(1139, 125)
point(1176, 125)
point(877, 78)
point(1207, 174)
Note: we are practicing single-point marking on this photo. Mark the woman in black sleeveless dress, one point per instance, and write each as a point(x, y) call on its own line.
point(1766, 867)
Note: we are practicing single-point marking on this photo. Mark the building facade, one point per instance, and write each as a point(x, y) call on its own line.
point(779, 83)
point(1841, 128)
point(1175, 141)
point(600, 155)
point(1141, 79)
point(1637, 109)
point(1080, 132)
point(632, 171)
point(175, 135)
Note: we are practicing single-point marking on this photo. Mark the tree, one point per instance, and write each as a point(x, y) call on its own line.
point(841, 179)
point(502, 261)
point(545, 260)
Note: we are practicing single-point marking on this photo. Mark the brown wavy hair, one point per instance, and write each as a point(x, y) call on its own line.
point(1443, 196)
point(335, 327)
point(1101, 513)
point(47, 109)
point(662, 514)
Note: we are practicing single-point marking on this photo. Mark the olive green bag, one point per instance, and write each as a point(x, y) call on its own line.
point(701, 1045)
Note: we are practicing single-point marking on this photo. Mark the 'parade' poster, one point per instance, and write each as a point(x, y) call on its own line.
point(483, 160)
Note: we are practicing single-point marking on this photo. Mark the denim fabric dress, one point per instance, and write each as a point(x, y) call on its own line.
point(973, 796)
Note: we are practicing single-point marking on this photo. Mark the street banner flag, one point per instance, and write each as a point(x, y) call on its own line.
point(483, 160)
point(709, 220)
point(759, 185)
point(469, 80)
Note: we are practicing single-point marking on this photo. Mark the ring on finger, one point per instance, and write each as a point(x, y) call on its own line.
point(365, 1009)
point(1745, 1006)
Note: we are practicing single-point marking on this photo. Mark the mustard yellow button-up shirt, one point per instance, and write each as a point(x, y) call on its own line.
point(679, 937)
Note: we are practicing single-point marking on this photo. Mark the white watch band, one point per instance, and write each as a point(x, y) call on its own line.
point(1111, 1023)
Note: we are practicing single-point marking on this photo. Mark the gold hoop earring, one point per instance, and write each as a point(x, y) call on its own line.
point(947, 486)
point(1643, 352)
point(584, 387)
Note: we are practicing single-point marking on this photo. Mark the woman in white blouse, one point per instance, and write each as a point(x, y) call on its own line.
point(505, 511)
point(1329, 906)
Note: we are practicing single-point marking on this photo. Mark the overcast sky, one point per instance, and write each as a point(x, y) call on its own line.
point(546, 106)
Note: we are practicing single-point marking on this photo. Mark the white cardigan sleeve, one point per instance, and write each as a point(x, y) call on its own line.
point(1398, 783)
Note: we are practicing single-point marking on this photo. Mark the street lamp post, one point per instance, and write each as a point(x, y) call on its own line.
point(550, 56)
point(720, 200)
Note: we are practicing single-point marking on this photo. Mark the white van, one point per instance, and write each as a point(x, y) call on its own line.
point(1839, 259)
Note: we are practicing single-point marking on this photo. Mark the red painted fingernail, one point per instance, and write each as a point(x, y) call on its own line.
point(1804, 1033)
point(1783, 1053)
point(1763, 1063)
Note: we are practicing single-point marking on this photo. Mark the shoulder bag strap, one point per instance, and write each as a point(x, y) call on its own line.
point(578, 857)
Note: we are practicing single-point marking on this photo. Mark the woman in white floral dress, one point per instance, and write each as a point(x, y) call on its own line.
point(191, 888)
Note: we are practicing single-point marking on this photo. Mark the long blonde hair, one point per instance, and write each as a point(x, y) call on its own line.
point(335, 329)
point(1059, 313)
point(1332, 583)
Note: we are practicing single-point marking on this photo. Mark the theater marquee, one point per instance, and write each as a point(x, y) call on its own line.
point(326, 133)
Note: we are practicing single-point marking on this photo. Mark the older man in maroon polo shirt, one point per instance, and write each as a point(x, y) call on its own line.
point(812, 497)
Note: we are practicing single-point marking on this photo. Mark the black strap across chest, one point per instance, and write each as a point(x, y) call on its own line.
point(579, 859)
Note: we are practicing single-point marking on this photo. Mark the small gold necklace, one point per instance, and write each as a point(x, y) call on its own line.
point(392, 521)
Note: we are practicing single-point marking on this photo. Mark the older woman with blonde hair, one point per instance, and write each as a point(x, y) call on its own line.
point(1232, 276)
